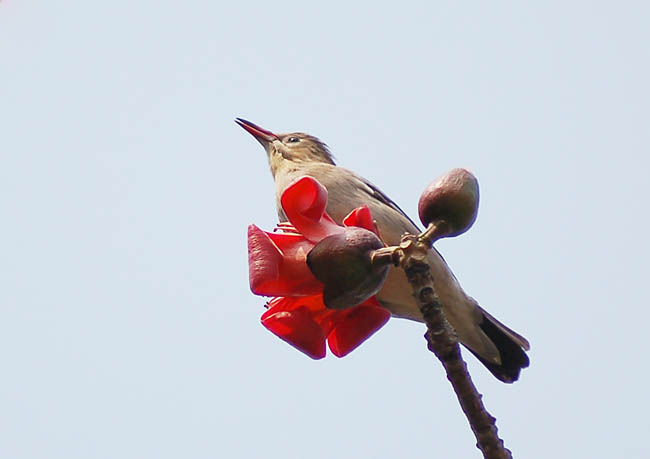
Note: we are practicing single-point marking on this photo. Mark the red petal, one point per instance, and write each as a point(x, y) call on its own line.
point(324, 317)
point(264, 260)
point(277, 264)
point(295, 277)
point(304, 203)
point(297, 328)
point(360, 217)
point(360, 323)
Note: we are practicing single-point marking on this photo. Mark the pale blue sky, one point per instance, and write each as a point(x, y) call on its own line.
point(127, 329)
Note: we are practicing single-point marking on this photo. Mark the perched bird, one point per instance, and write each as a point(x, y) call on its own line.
point(297, 154)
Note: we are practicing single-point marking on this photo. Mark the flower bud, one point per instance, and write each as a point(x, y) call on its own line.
point(452, 198)
point(342, 262)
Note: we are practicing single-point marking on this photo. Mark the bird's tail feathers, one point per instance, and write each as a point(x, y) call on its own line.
point(511, 346)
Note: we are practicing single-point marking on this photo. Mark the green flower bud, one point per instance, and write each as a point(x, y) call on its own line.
point(342, 262)
point(452, 198)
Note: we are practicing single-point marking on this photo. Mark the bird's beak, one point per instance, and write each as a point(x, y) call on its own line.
point(262, 135)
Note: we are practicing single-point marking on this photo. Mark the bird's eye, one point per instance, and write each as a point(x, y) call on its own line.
point(293, 139)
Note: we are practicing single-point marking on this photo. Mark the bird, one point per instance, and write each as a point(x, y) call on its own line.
point(293, 155)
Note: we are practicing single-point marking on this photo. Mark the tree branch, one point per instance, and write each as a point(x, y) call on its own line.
point(443, 342)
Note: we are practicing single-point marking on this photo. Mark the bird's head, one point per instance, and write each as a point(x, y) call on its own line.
point(295, 146)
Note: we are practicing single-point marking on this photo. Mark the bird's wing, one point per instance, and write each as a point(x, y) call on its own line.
point(379, 195)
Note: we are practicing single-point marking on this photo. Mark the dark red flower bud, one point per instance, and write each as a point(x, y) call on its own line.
point(342, 262)
point(452, 198)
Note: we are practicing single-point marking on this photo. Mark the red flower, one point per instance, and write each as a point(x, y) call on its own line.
point(277, 267)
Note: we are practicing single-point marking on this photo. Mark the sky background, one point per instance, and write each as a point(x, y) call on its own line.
point(127, 328)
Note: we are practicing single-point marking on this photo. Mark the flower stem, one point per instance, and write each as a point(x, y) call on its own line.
point(443, 342)
point(436, 230)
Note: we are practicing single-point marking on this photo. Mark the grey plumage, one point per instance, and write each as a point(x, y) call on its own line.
point(294, 155)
